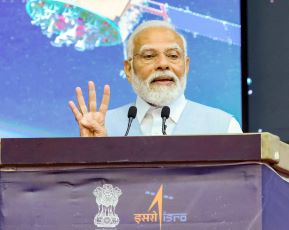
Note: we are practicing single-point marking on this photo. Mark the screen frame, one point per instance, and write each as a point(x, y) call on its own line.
point(244, 65)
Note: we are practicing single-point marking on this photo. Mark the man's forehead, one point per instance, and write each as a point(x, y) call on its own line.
point(157, 36)
point(156, 47)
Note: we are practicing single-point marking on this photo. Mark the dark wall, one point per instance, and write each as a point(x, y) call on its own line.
point(268, 66)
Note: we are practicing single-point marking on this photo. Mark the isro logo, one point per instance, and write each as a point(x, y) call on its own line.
point(155, 212)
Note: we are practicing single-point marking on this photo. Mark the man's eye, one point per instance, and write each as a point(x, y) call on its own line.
point(173, 56)
point(148, 56)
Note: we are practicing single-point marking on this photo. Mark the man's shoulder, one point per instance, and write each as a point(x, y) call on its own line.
point(205, 109)
point(202, 119)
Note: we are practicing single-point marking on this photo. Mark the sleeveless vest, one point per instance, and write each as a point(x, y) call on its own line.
point(195, 119)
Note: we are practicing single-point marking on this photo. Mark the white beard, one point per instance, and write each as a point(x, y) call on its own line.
point(159, 95)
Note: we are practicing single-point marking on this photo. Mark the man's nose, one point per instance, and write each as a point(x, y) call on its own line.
point(162, 62)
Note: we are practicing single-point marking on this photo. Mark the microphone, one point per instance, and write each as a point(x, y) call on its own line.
point(165, 114)
point(131, 114)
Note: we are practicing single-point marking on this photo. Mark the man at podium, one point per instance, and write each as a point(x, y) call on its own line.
point(156, 67)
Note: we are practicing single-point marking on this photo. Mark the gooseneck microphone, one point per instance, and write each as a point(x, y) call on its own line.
point(165, 114)
point(131, 114)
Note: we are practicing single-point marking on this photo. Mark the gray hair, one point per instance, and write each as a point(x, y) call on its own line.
point(151, 24)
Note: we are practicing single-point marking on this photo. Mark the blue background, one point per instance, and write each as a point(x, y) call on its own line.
point(38, 80)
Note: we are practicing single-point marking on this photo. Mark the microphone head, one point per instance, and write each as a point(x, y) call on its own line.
point(132, 112)
point(165, 112)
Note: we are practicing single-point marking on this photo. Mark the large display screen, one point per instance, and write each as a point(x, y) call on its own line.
point(49, 47)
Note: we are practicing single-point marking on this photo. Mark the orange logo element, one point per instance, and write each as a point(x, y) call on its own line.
point(152, 216)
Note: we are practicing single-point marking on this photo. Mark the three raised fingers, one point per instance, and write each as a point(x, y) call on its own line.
point(92, 103)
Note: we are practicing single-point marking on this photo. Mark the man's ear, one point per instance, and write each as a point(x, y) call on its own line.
point(127, 65)
point(187, 65)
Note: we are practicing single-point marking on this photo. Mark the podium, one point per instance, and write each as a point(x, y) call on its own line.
point(213, 182)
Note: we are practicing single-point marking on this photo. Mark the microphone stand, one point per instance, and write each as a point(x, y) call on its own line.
point(164, 126)
point(128, 125)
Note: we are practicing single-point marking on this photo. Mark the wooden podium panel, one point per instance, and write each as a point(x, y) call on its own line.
point(122, 150)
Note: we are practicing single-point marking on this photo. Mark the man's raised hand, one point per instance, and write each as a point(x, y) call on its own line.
point(90, 121)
